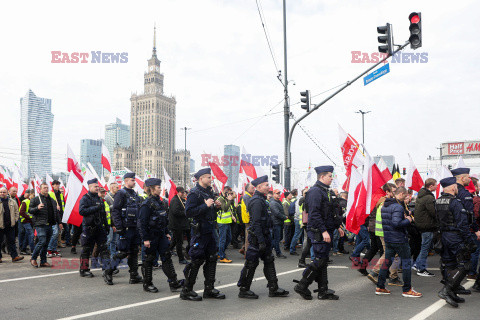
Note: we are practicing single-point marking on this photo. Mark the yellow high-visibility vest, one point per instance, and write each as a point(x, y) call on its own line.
point(27, 203)
point(378, 222)
point(107, 211)
point(52, 195)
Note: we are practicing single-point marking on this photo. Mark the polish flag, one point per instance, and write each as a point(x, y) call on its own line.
point(246, 166)
point(169, 186)
point(441, 173)
point(461, 164)
point(5, 177)
point(49, 181)
point(62, 186)
point(382, 165)
point(365, 193)
point(351, 156)
point(36, 184)
point(74, 192)
point(413, 180)
point(106, 163)
point(94, 174)
point(73, 165)
point(17, 179)
point(218, 173)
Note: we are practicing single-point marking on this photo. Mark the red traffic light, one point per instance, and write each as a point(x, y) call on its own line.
point(414, 17)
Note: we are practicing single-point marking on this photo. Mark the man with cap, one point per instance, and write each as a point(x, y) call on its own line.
point(200, 207)
point(126, 205)
point(95, 230)
point(456, 240)
point(321, 224)
point(152, 225)
point(260, 244)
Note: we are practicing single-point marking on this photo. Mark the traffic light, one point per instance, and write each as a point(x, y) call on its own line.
point(305, 99)
point(276, 173)
point(415, 28)
point(386, 40)
point(404, 171)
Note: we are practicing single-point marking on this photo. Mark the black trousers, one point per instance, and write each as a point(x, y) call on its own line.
point(177, 242)
point(375, 247)
point(77, 231)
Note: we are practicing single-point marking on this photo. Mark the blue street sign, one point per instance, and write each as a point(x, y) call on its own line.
point(376, 74)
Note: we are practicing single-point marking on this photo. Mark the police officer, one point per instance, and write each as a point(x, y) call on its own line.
point(152, 224)
point(456, 240)
point(260, 244)
point(200, 207)
point(95, 230)
point(124, 214)
point(321, 223)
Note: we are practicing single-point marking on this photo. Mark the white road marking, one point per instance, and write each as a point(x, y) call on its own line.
point(138, 304)
point(427, 312)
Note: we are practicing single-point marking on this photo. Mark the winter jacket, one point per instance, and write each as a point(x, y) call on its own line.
point(425, 216)
point(12, 205)
point(278, 215)
point(176, 216)
point(393, 222)
point(40, 216)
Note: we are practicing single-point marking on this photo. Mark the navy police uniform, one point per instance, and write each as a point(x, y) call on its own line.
point(126, 205)
point(456, 241)
point(321, 217)
point(203, 247)
point(152, 225)
point(260, 246)
point(94, 231)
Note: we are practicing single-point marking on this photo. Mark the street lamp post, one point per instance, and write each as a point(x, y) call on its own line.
point(363, 123)
point(185, 159)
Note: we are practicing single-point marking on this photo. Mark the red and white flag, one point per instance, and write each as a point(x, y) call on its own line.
point(350, 154)
point(5, 177)
point(169, 186)
point(74, 192)
point(413, 180)
point(382, 165)
point(248, 167)
point(218, 173)
point(49, 181)
point(17, 180)
point(73, 165)
point(365, 193)
point(36, 184)
point(106, 162)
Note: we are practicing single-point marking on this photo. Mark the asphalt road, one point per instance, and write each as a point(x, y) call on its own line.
point(29, 293)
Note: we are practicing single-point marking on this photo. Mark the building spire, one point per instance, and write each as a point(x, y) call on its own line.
point(154, 53)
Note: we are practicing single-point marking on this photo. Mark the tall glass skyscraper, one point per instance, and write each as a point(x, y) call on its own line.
point(232, 171)
point(116, 135)
point(91, 151)
point(36, 123)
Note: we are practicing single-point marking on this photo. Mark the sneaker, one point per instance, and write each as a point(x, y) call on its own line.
point(225, 260)
point(425, 273)
point(395, 282)
point(414, 268)
point(412, 294)
point(373, 276)
point(49, 254)
point(56, 254)
point(281, 256)
point(379, 291)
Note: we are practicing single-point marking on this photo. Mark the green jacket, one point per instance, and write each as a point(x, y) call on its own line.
point(425, 216)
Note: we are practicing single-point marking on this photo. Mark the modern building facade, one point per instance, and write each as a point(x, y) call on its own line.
point(36, 124)
point(91, 151)
point(117, 134)
point(232, 152)
point(152, 128)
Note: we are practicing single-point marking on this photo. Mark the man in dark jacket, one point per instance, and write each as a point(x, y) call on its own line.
point(45, 215)
point(426, 222)
point(179, 224)
point(278, 216)
point(395, 222)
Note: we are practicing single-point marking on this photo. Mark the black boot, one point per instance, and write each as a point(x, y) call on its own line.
point(246, 278)
point(169, 270)
point(84, 266)
point(476, 286)
point(209, 270)
point(147, 271)
point(461, 290)
point(190, 272)
point(323, 292)
point(133, 265)
point(309, 275)
point(301, 263)
point(107, 276)
point(86, 273)
point(445, 295)
point(363, 268)
point(271, 275)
